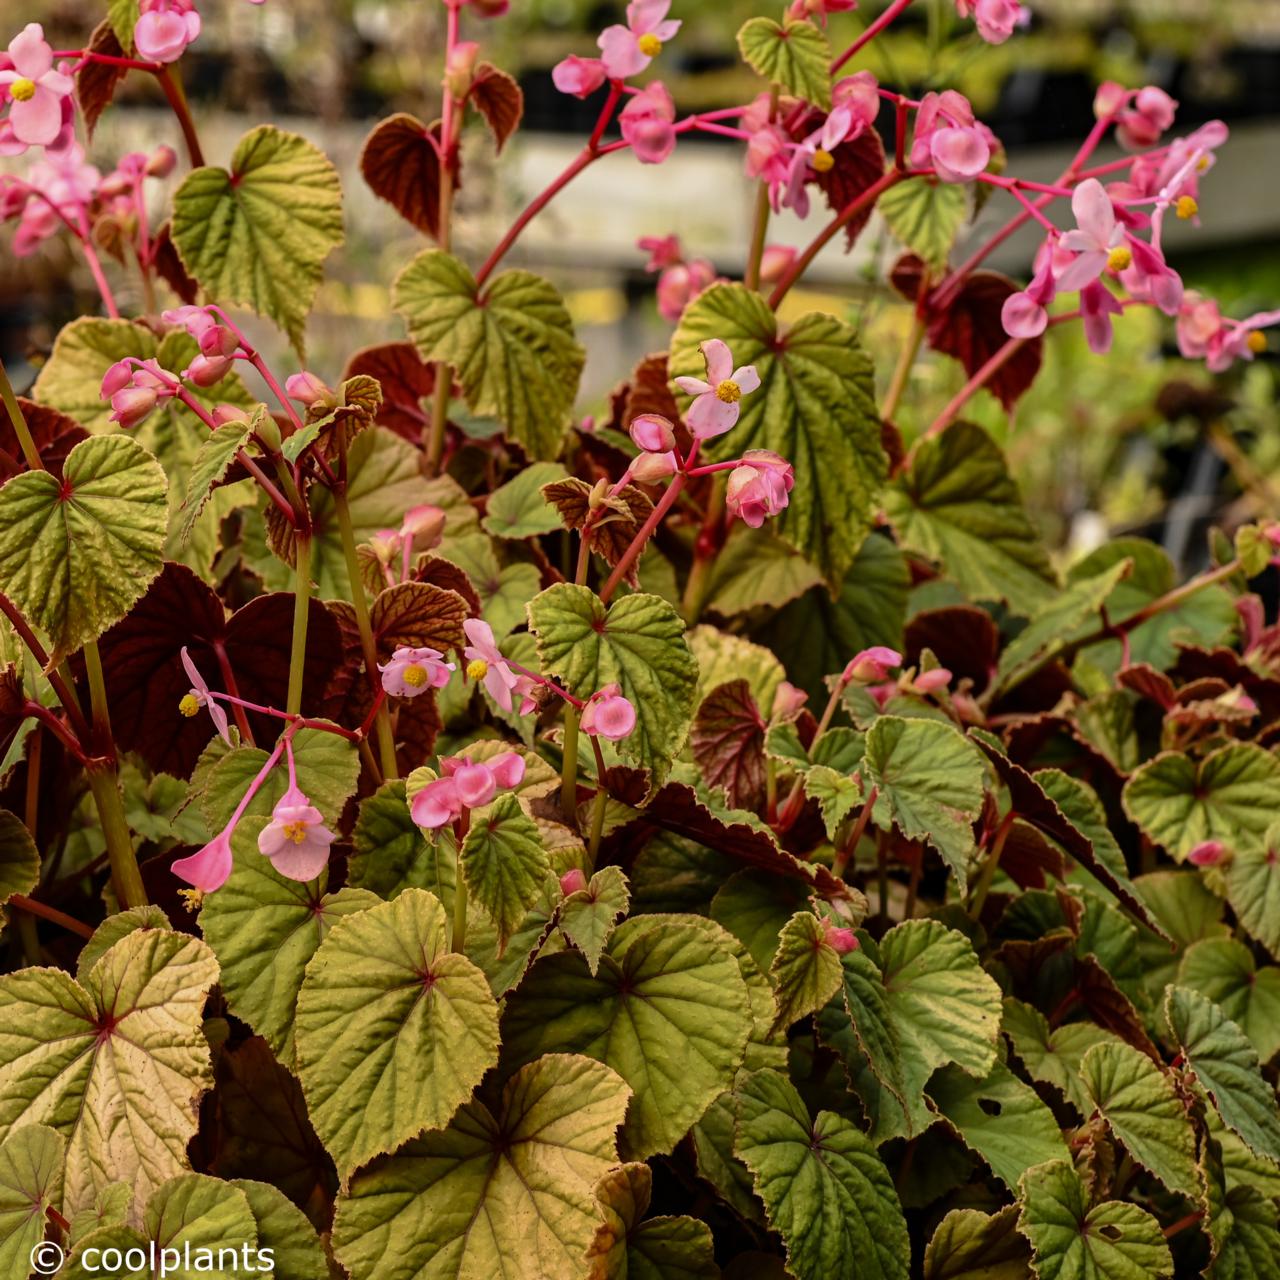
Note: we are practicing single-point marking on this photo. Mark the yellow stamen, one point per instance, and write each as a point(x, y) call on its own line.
point(189, 705)
point(23, 90)
point(729, 392)
point(415, 677)
point(823, 161)
point(1187, 207)
point(295, 831)
point(1202, 165)
point(477, 669)
point(1256, 342)
point(191, 898)
point(1120, 258)
point(649, 45)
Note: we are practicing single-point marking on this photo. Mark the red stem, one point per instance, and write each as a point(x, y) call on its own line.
point(178, 102)
point(52, 914)
point(665, 503)
point(888, 16)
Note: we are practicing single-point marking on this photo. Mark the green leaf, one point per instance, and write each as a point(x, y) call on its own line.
point(926, 216)
point(30, 1183)
point(815, 407)
point(1071, 1241)
point(970, 1245)
point(77, 553)
point(504, 864)
point(192, 1215)
point(259, 234)
point(754, 906)
point(638, 643)
point(794, 54)
point(264, 929)
point(756, 570)
point(117, 1065)
point(1253, 889)
point(1226, 1065)
point(71, 379)
point(123, 17)
point(394, 1031)
point(668, 1011)
point(1224, 970)
point(1187, 911)
point(586, 918)
point(943, 1005)
point(507, 1192)
point(518, 510)
point(957, 504)
point(327, 767)
point(723, 657)
point(836, 793)
point(867, 1005)
point(930, 779)
point(805, 970)
point(389, 851)
point(19, 857)
point(1054, 1057)
point(1250, 1228)
point(1000, 1118)
point(626, 1248)
point(212, 462)
point(823, 1185)
point(112, 929)
point(1232, 794)
point(285, 1230)
point(511, 344)
point(1145, 1113)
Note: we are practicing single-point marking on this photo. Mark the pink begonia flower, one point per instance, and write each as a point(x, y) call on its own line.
point(195, 320)
point(423, 526)
point(758, 486)
point(775, 262)
point(663, 251)
point(840, 940)
point(1150, 115)
point(1204, 333)
point(717, 402)
point(207, 869)
point(148, 385)
point(35, 90)
point(859, 94)
point(608, 714)
point(296, 840)
point(649, 468)
point(959, 155)
point(1023, 314)
point(465, 784)
point(626, 51)
point(872, 664)
point(306, 388)
point(218, 349)
point(648, 123)
point(1097, 235)
point(414, 671)
point(67, 184)
point(578, 76)
point(652, 433)
point(37, 223)
point(678, 285)
point(574, 881)
point(1207, 853)
point(949, 139)
point(1148, 276)
point(996, 19)
point(199, 696)
point(163, 160)
point(820, 8)
point(486, 663)
point(768, 157)
point(165, 28)
point(1097, 305)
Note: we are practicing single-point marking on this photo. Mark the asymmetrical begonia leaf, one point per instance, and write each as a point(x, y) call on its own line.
point(793, 54)
point(31, 1160)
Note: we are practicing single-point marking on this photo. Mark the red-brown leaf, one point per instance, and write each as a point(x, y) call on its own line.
point(499, 99)
point(728, 744)
point(406, 380)
point(859, 164)
point(169, 266)
point(54, 434)
point(96, 82)
point(403, 168)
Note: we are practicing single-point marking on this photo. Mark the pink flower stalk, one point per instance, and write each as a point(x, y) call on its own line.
point(819, 9)
point(871, 665)
point(1097, 240)
point(486, 663)
point(996, 19)
point(678, 285)
point(199, 696)
point(652, 433)
point(663, 251)
point(306, 388)
point(717, 402)
point(414, 671)
point(1208, 853)
point(34, 89)
point(165, 28)
point(627, 50)
point(464, 784)
point(648, 122)
point(296, 840)
point(1150, 115)
point(608, 714)
point(574, 881)
point(578, 76)
point(758, 486)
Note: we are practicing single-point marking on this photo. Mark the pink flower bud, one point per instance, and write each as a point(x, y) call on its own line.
point(204, 371)
point(218, 340)
point(161, 162)
point(224, 413)
point(758, 488)
point(653, 433)
point(117, 377)
point(476, 785)
point(423, 527)
point(663, 251)
point(841, 941)
point(1208, 853)
point(929, 681)
point(871, 665)
point(649, 468)
point(774, 263)
point(578, 76)
point(460, 70)
point(1109, 99)
point(574, 881)
point(608, 714)
point(788, 701)
point(647, 123)
point(130, 405)
point(306, 388)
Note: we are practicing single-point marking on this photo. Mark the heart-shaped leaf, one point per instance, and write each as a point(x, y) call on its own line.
point(794, 54)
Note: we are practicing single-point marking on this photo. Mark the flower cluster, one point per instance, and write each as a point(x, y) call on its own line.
point(465, 784)
point(680, 279)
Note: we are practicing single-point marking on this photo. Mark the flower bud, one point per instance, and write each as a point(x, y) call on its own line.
point(1110, 98)
point(841, 941)
point(224, 413)
point(649, 468)
point(653, 433)
point(574, 881)
point(204, 371)
point(608, 714)
point(117, 377)
point(306, 388)
point(161, 162)
point(599, 494)
point(423, 526)
point(788, 701)
point(460, 70)
point(130, 405)
point(775, 261)
point(1208, 853)
point(930, 681)
point(218, 340)
point(871, 665)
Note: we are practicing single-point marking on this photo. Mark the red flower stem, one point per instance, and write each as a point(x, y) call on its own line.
point(177, 99)
point(993, 365)
point(847, 847)
point(62, 687)
point(108, 59)
point(95, 270)
point(888, 16)
point(1182, 1224)
point(846, 215)
point(549, 684)
point(712, 467)
point(229, 679)
point(665, 503)
point(60, 731)
point(52, 914)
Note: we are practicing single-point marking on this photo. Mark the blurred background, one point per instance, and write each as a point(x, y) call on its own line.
point(1140, 441)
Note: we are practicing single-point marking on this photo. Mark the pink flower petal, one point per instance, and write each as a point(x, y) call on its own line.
point(694, 386)
point(1094, 214)
point(620, 53)
point(747, 378)
point(31, 53)
point(38, 120)
point(719, 361)
point(709, 417)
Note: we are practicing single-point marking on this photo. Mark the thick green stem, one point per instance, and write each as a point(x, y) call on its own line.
point(569, 766)
point(988, 874)
point(382, 719)
point(459, 939)
point(16, 416)
point(597, 808)
point(301, 611)
point(902, 372)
